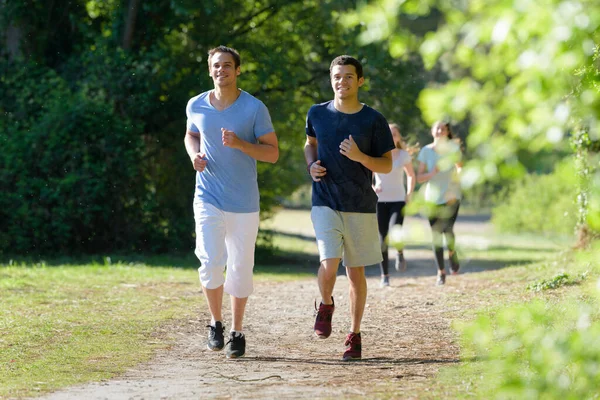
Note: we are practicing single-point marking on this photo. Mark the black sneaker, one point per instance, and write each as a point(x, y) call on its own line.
point(216, 341)
point(236, 345)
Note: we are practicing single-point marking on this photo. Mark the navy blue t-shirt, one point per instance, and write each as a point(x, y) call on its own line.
point(347, 184)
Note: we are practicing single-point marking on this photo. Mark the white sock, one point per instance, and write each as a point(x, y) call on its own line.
point(237, 333)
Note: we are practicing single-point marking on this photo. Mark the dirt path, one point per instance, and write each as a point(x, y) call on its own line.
point(406, 340)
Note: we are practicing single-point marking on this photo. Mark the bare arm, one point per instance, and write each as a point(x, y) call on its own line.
point(192, 146)
point(381, 164)
point(311, 154)
point(410, 179)
point(267, 148)
point(423, 176)
point(192, 143)
point(310, 150)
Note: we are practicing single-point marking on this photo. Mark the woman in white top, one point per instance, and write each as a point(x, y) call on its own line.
point(392, 199)
point(439, 166)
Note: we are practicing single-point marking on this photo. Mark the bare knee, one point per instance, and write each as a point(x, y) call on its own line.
point(329, 267)
point(355, 274)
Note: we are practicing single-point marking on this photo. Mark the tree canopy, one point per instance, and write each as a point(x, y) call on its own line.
point(523, 74)
point(93, 103)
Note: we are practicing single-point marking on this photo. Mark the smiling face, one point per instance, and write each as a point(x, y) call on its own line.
point(439, 130)
point(345, 81)
point(222, 69)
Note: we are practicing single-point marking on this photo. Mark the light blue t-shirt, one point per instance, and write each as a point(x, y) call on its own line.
point(229, 181)
point(445, 185)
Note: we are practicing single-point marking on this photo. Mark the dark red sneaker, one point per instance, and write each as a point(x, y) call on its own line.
point(354, 347)
point(323, 321)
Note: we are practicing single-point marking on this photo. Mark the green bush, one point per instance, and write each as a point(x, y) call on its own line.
point(539, 203)
point(538, 351)
point(71, 176)
point(547, 348)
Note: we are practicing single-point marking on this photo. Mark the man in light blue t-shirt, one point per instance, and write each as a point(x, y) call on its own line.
point(228, 130)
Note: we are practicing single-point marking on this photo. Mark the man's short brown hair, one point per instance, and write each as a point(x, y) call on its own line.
point(224, 49)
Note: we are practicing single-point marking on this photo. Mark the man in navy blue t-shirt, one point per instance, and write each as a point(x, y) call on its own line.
point(346, 141)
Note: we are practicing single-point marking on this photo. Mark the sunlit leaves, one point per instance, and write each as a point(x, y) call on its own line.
point(523, 54)
point(103, 8)
point(381, 23)
point(593, 215)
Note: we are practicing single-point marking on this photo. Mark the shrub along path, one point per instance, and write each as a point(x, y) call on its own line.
point(407, 338)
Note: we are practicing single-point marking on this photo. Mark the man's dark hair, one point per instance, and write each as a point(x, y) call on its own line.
point(224, 49)
point(348, 60)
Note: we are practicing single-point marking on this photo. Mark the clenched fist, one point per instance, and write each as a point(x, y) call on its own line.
point(199, 162)
point(317, 171)
point(230, 139)
point(350, 149)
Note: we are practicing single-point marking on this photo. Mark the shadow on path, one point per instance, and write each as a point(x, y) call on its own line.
point(357, 363)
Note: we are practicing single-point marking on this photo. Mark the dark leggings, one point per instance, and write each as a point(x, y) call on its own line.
point(388, 215)
point(442, 224)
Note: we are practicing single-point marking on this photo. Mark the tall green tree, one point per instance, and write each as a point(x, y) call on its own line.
point(524, 74)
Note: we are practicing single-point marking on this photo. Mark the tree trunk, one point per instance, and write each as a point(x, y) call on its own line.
point(131, 17)
point(13, 41)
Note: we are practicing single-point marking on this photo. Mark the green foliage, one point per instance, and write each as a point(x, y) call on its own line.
point(588, 182)
point(593, 212)
point(525, 75)
point(74, 85)
point(539, 203)
point(72, 177)
point(539, 345)
point(535, 351)
point(557, 281)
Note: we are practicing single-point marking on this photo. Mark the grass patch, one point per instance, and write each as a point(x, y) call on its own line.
point(64, 322)
point(557, 281)
point(71, 324)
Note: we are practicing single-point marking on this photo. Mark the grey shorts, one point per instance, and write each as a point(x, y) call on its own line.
point(353, 237)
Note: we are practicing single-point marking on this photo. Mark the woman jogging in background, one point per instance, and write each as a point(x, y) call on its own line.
point(439, 166)
point(392, 197)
